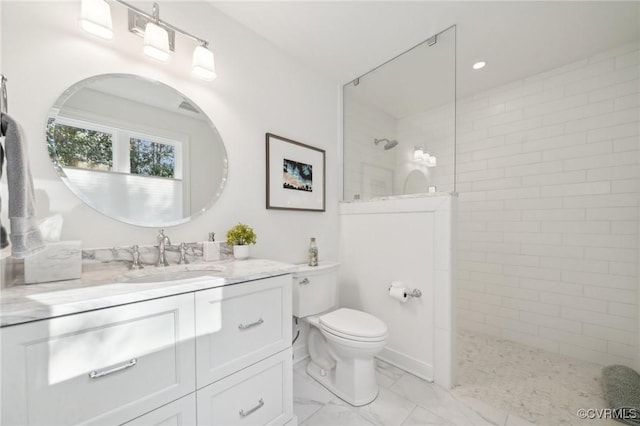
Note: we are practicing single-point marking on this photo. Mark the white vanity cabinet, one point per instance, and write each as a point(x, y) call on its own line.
point(243, 353)
point(181, 412)
point(217, 356)
point(239, 325)
point(257, 395)
point(101, 367)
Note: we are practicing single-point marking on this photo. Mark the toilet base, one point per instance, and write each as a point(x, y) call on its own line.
point(328, 378)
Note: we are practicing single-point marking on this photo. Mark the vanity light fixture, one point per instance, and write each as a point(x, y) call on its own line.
point(421, 156)
point(479, 65)
point(203, 64)
point(156, 42)
point(95, 18)
point(159, 35)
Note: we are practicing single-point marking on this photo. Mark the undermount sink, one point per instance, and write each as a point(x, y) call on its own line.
point(172, 274)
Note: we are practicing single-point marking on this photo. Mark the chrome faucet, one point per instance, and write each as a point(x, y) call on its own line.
point(163, 242)
point(135, 255)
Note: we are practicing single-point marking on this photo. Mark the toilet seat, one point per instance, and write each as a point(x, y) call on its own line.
point(354, 325)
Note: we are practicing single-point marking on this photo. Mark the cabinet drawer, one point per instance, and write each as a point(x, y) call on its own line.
point(177, 413)
point(241, 324)
point(258, 395)
point(105, 366)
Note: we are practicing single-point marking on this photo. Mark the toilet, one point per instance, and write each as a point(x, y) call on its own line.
point(342, 342)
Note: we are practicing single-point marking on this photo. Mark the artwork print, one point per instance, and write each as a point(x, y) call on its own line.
point(297, 176)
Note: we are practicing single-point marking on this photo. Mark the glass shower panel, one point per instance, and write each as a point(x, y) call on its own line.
point(399, 124)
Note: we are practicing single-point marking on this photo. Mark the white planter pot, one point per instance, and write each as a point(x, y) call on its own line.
point(240, 252)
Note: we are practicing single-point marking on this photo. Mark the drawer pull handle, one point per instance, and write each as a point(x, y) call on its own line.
point(246, 413)
point(305, 281)
point(253, 324)
point(97, 374)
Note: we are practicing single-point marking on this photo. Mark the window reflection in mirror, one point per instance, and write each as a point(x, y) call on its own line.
point(136, 150)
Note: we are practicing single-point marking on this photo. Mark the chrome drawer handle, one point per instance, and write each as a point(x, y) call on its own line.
point(253, 324)
point(96, 375)
point(305, 281)
point(246, 413)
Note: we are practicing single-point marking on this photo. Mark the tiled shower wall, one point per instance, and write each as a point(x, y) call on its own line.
point(365, 164)
point(548, 176)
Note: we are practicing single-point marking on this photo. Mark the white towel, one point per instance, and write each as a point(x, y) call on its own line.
point(4, 238)
point(26, 239)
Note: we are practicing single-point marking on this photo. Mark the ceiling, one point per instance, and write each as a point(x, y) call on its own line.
point(345, 39)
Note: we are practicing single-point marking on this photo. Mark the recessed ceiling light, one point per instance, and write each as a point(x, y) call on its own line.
point(479, 65)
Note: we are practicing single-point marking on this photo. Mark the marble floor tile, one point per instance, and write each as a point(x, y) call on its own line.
point(513, 420)
point(415, 390)
point(491, 414)
point(420, 416)
point(387, 374)
point(437, 400)
point(388, 409)
point(335, 414)
point(308, 395)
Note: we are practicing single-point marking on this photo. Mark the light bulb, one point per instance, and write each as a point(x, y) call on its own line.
point(95, 18)
point(156, 42)
point(203, 64)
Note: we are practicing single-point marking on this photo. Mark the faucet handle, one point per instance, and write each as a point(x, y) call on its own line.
point(183, 254)
point(135, 254)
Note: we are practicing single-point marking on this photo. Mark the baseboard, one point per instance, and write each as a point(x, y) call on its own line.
point(407, 363)
point(300, 353)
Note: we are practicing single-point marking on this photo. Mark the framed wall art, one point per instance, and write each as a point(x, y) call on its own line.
point(295, 175)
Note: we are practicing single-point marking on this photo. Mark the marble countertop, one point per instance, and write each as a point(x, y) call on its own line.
point(114, 286)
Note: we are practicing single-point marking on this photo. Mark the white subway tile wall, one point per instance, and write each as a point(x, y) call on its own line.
point(548, 175)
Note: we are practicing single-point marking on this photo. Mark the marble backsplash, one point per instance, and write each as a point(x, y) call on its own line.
point(105, 257)
point(13, 270)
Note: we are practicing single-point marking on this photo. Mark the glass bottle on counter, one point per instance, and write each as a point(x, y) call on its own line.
point(313, 253)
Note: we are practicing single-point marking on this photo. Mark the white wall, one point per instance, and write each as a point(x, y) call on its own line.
point(258, 90)
point(548, 176)
point(407, 240)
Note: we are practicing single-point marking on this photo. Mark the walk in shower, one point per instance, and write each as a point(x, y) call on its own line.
point(397, 214)
point(399, 124)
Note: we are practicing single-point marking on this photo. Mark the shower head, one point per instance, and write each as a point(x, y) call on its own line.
point(388, 144)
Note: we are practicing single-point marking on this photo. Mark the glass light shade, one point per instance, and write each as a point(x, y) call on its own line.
point(418, 154)
point(203, 64)
point(95, 18)
point(156, 42)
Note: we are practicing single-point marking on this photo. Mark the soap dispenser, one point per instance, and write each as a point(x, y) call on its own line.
point(211, 248)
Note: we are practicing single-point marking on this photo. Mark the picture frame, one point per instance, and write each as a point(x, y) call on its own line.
point(296, 175)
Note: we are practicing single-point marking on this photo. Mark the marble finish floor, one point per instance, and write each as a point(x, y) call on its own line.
point(403, 400)
point(500, 383)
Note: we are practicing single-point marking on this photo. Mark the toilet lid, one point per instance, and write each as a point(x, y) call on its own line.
point(354, 323)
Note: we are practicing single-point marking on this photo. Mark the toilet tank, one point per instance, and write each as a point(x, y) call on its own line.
point(314, 288)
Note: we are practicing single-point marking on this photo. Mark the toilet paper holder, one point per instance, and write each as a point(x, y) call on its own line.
point(415, 292)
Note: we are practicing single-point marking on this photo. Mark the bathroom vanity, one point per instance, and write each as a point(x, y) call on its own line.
point(212, 346)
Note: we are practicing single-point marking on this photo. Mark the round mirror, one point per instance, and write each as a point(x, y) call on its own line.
point(136, 150)
point(416, 183)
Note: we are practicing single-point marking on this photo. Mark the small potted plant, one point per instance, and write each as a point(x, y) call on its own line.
point(241, 236)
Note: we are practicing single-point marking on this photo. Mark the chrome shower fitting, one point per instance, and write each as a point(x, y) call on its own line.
point(388, 144)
